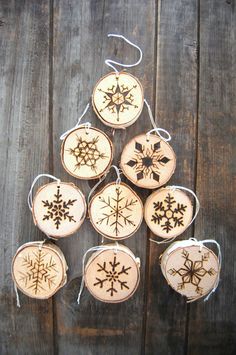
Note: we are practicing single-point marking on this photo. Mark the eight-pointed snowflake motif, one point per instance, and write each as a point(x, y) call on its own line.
point(118, 211)
point(39, 275)
point(87, 153)
point(118, 98)
point(148, 161)
point(168, 214)
point(192, 272)
point(112, 276)
point(58, 210)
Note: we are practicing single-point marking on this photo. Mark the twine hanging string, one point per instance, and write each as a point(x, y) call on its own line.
point(197, 208)
point(15, 286)
point(156, 129)
point(110, 62)
point(118, 181)
point(90, 250)
point(87, 125)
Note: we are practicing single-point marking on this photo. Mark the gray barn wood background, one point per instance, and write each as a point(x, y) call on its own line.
point(51, 55)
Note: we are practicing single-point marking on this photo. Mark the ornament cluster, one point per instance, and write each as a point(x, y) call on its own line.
point(111, 272)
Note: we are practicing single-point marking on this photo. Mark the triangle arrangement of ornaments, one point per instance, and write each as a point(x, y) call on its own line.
point(110, 271)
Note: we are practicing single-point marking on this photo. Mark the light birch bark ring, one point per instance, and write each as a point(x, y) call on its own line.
point(191, 268)
point(168, 212)
point(59, 209)
point(148, 161)
point(86, 153)
point(118, 99)
point(39, 269)
point(116, 212)
point(112, 274)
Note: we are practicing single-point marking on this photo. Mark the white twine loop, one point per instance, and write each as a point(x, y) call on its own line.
point(109, 62)
point(197, 208)
point(118, 181)
point(93, 249)
point(87, 125)
point(30, 197)
point(155, 128)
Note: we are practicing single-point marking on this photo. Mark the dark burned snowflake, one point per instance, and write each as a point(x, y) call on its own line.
point(170, 215)
point(118, 98)
point(192, 272)
point(148, 161)
point(87, 153)
point(58, 210)
point(39, 275)
point(112, 277)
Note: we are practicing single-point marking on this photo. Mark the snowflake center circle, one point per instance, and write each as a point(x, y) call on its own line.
point(118, 98)
point(147, 162)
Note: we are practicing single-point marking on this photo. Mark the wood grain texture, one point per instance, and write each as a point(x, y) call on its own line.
point(80, 48)
point(212, 325)
point(52, 55)
point(24, 153)
point(176, 111)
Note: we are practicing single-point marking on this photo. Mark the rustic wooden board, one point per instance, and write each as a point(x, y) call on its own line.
point(176, 108)
point(24, 44)
point(52, 54)
point(80, 48)
point(212, 325)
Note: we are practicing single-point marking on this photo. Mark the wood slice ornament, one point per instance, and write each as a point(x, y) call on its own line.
point(116, 211)
point(118, 99)
point(191, 268)
point(59, 209)
point(112, 273)
point(148, 161)
point(39, 269)
point(86, 153)
point(169, 211)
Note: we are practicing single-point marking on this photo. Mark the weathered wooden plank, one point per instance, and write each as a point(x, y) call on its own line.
point(212, 325)
point(80, 47)
point(176, 111)
point(24, 153)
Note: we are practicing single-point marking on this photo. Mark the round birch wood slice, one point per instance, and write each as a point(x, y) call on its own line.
point(118, 99)
point(39, 269)
point(86, 153)
point(148, 162)
point(168, 212)
point(191, 270)
point(116, 211)
point(59, 209)
point(112, 275)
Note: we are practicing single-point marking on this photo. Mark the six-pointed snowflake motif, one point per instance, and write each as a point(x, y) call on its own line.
point(118, 98)
point(39, 275)
point(168, 214)
point(147, 162)
point(58, 210)
point(118, 211)
point(192, 272)
point(87, 153)
point(112, 276)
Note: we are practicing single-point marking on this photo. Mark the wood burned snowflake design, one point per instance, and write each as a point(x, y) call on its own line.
point(168, 212)
point(118, 99)
point(59, 210)
point(192, 272)
point(112, 275)
point(116, 212)
point(86, 153)
point(39, 270)
point(148, 163)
